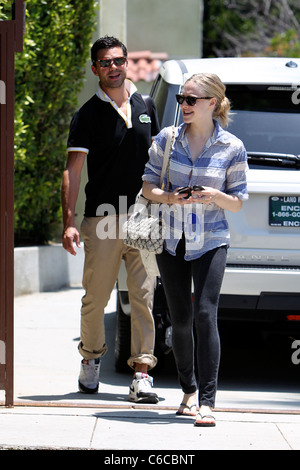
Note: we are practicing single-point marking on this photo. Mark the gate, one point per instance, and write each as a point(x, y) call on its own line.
point(11, 41)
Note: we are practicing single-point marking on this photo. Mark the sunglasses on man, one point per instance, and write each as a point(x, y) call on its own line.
point(190, 100)
point(107, 62)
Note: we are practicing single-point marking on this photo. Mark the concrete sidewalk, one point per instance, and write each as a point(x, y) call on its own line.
point(49, 413)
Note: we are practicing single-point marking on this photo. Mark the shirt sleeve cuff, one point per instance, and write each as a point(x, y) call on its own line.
point(77, 149)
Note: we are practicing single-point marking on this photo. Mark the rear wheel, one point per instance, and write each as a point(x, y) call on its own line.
point(123, 339)
point(123, 331)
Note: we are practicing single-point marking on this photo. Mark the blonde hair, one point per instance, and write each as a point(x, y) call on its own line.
point(213, 87)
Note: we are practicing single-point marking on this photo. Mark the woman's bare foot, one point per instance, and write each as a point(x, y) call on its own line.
point(188, 407)
point(204, 418)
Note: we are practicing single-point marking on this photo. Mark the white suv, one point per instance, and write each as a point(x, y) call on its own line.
point(262, 278)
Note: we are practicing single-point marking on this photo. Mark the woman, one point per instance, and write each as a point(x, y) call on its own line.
point(212, 163)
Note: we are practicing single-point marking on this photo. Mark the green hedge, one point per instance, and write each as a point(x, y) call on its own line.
point(49, 76)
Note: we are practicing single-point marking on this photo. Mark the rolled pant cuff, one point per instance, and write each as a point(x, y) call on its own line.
point(86, 354)
point(189, 390)
point(148, 359)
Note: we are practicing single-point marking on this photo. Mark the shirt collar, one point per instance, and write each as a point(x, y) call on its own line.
point(129, 85)
point(219, 135)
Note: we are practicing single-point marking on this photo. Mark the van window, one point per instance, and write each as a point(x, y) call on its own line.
point(266, 118)
point(162, 93)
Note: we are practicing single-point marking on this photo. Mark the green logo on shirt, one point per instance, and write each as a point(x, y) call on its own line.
point(145, 118)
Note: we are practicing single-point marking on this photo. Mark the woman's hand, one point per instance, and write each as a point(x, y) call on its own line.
point(205, 196)
point(211, 195)
point(154, 193)
point(181, 198)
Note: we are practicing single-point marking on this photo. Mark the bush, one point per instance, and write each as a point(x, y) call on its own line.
point(285, 45)
point(238, 28)
point(48, 76)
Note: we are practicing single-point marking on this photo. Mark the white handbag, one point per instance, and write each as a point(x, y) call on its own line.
point(144, 228)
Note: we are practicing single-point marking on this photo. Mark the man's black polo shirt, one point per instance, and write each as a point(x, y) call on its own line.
point(116, 154)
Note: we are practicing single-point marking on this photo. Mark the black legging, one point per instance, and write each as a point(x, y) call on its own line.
point(207, 274)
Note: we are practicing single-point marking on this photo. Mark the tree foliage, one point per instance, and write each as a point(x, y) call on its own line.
point(286, 44)
point(239, 27)
point(48, 77)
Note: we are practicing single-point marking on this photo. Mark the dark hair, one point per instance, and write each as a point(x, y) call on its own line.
point(107, 42)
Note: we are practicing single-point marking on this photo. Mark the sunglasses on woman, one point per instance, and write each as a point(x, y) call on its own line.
point(190, 100)
point(107, 62)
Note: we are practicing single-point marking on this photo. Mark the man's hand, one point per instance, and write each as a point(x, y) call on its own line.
point(69, 237)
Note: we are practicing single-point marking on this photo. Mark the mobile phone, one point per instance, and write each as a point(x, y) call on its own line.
point(187, 190)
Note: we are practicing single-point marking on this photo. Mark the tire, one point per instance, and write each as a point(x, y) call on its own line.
point(123, 333)
point(122, 339)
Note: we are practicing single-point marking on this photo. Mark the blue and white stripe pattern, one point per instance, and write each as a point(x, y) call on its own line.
point(222, 165)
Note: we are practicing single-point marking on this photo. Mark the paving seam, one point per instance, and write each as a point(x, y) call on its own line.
point(38, 404)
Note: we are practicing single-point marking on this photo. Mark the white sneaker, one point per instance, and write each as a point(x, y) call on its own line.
point(140, 390)
point(88, 381)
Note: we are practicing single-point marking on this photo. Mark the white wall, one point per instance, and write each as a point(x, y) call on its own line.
point(172, 26)
point(46, 268)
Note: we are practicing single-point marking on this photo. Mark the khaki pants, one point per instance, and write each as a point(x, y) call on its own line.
point(102, 263)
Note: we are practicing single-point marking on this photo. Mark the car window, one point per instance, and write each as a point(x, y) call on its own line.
point(267, 131)
point(164, 95)
point(271, 98)
point(266, 118)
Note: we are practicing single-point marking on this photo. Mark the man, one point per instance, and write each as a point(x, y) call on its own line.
point(113, 131)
